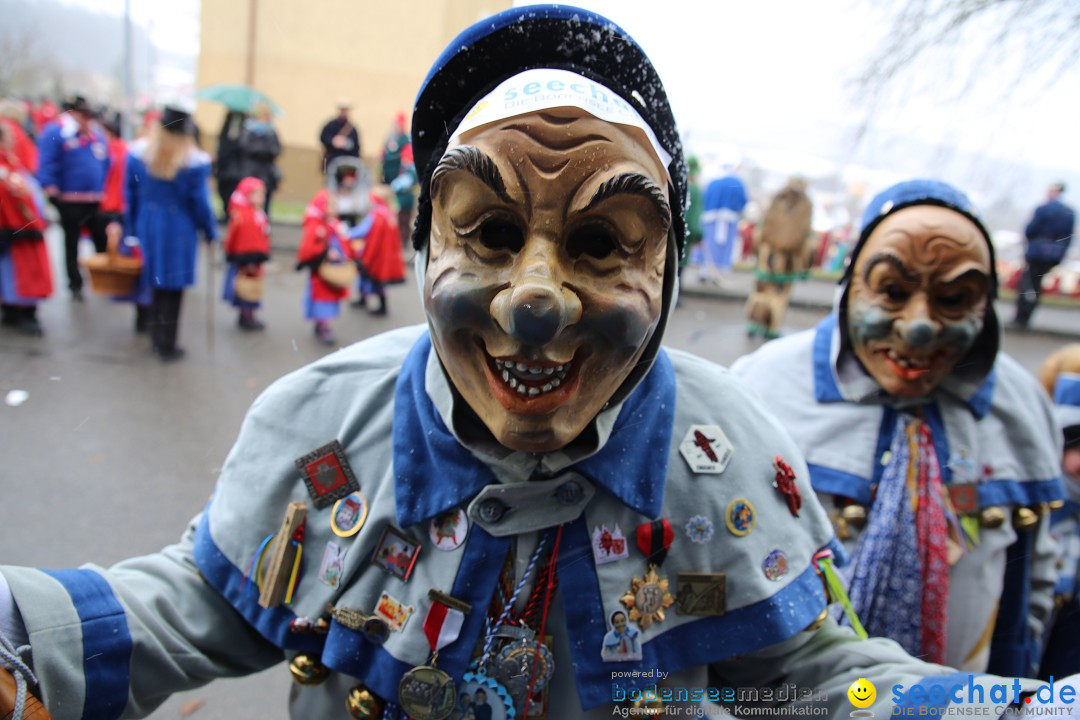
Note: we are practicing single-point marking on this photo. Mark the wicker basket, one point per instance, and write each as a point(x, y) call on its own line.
point(112, 273)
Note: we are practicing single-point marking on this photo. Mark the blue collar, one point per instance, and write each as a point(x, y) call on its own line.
point(433, 472)
point(826, 388)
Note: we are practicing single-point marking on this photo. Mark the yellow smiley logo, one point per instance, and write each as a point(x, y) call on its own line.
point(862, 693)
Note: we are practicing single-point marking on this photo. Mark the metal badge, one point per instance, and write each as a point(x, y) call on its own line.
point(740, 517)
point(608, 545)
point(701, 593)
point(449, 529)
point(427, 693)
point(327, 474)
point(348, 515)
point(775, 565)
point(516, 664)
point(706, 449)
point(647, 598)
point(396, 553)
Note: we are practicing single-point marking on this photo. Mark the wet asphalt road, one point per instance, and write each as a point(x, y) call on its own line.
point(112, 451)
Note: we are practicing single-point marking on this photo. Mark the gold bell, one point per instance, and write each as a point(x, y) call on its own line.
point(652, 706)
point(363, 704)
point(1025, 519)
point(992, 518)
point(854, 515)
point(1056, 504)
point(819, 620)
point(307, 670)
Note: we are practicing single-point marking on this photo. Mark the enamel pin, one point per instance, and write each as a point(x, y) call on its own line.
point(775, 565)
point(393, 611)
point(706, 449)
point(740, 517)
point(608, 545)
point(333, 565)
point(784, 481)
point(448, 530)
point(327, 474)
point(699, 529)
point(348, 515)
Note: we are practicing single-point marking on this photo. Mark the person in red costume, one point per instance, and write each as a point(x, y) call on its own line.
point(247, 247)
point(25, 275)
point(376, 242)
point(324, 251)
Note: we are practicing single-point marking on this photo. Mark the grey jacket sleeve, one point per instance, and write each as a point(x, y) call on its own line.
point(117, 642)
point(822, 664)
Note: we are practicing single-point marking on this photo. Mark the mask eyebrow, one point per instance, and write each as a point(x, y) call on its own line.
point(633, 183)
point(890, 259)
point(971, 273)
point(475, 162)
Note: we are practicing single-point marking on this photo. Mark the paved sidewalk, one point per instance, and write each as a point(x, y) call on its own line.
point(1052, 320)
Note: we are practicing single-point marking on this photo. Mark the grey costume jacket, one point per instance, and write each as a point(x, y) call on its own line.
point(115, 642)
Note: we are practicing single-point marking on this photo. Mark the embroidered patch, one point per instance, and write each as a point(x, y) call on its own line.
point(740, 517)
point(699, 529)
point(706, 449)
point(964, 498)
point(327, 474)
point(608, 545)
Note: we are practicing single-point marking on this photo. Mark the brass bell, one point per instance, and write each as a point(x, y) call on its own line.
point(819, 620)
point(854, 515)
point(1025, 519)
point(363, 704)
point(1056, 504)
point(652, 706)
point(307, 670)
point(992, 518)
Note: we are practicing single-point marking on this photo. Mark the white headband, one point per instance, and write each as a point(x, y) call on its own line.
point(546, 88)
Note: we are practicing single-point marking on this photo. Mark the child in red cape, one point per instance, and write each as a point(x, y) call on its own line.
point(25, 275)
point(376, 241)
point(247, 247)
point(325, 253)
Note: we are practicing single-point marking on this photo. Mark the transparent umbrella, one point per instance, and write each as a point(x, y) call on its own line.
point(237, 97)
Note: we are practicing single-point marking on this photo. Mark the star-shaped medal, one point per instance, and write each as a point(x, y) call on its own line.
point(647, 598)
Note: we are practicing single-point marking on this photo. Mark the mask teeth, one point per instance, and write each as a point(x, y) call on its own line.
point(515, 375)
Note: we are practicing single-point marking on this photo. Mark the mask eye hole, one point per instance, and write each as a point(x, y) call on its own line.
point(593, 241)
point(501, 234)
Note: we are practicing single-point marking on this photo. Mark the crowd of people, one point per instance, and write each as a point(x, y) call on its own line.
point(148, 201)
point(871, 502)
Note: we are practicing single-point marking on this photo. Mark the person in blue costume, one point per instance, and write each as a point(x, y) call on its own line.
point(935, 453)
point(536, 404)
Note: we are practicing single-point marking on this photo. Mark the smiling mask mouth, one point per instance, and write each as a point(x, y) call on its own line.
point(530, 379)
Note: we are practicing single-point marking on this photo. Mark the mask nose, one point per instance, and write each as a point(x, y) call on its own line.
point(917, 328)
point(534, 313)
point(537, 313)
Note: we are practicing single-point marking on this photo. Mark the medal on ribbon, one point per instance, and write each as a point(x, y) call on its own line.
point(648, 595)
point(426, 692)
